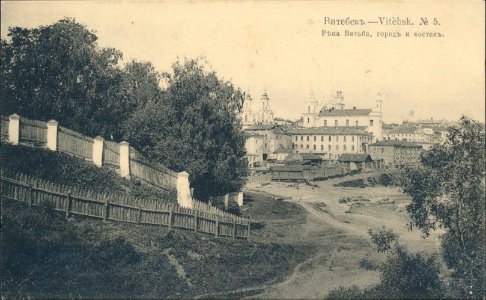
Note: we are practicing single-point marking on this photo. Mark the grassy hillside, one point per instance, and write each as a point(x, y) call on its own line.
point(43, 255)
point(65, 169)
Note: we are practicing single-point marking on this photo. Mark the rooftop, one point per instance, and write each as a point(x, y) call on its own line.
point(354, 157)
point(339, 130)
point(345, 112)
point(405, 130)
point(395, 144)
point(283, 150)
point(261, 127)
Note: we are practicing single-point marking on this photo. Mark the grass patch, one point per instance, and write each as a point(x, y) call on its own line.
point(43, 255)
point(65, 169)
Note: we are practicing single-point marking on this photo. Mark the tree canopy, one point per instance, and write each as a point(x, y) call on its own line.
point(195, 127)
point(448, 192)
point(59, 72)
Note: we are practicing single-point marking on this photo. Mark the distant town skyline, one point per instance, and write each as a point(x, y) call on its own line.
point(277, 47)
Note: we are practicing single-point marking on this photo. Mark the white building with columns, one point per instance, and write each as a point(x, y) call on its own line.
point(334, 114)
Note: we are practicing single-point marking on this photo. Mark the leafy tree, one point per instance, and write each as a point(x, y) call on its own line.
point(448, 193)
point(403, 275)
point(59, 72)
point(195, 127)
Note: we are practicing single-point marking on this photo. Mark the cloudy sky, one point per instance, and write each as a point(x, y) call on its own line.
point(278, 46)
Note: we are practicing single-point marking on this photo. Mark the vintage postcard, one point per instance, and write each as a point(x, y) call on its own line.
point(243, 149)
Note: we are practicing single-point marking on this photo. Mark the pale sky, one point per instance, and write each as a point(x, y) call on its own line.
point(277, 46)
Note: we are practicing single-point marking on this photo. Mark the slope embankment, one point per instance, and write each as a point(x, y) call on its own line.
point(45, 255)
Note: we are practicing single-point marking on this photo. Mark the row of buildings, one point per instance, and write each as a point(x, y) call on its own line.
point(332, 131)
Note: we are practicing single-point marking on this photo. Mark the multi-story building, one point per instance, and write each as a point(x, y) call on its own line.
point(274, 137)
point(424, 135)
point(260, 113)
point(335, 115)
point(330, 142)
point(254, 148)
point(396, 153)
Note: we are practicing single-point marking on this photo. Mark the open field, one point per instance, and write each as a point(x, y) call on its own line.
point(337, 228)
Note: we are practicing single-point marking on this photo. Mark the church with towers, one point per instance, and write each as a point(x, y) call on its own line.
point(256, 112)
point(334, 114)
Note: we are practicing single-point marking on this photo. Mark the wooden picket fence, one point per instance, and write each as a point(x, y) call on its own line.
point(33, 131)
point(74, 143)
point(4, 127)
point(151, 172)
point(260, 177)
point(111, 154)
point(122, 208)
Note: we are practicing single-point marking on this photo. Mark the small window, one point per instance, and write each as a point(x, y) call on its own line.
point(347, 122)
point(329, 138)
point(329, 147)
point(296, 138)
point(325, 123)
point(322, 138)
point(308, 120)
point(322, 147)
point(352, 138)
point(306, 146)
point(314, 147)
point(301, 137)
point(335, 122)
point(337, 147)
point(345, 139)
point(352, 147)
point(356, 123)
point(315, 138)
point(307, 138)
point(371, 122)
point(344, 148)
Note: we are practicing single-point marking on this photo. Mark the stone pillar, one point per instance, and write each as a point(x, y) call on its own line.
point(240, 199)
point(52, 135)
point(14, 129)
point(98, 151)
point(226, 202)
point(184, 198)
point(124, 159)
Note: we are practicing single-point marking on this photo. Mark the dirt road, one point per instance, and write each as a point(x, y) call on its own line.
point(337, 262)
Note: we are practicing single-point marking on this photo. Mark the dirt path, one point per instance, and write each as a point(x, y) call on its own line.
point(328, 269)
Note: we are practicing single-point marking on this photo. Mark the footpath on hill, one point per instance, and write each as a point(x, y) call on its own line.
point(336, 227)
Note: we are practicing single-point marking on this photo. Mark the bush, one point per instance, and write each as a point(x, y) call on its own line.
point(367, 264)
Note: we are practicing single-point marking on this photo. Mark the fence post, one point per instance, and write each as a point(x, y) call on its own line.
point(98, 151)
point(68, 205)
point(31, 196)
point(105, 215)
point(170, 217)
point(240, 199)
point(226, 200)
point(52, 135)
point(184, 198)
point(217, 226)
point(195, 221)
point(139, 215)
point(234, 230)
point(124, 159)
point(14, 129)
